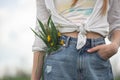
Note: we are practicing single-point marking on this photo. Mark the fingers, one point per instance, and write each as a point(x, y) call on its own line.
point(94, 49)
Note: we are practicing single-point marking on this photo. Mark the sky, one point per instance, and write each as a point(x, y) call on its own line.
point(16, 38)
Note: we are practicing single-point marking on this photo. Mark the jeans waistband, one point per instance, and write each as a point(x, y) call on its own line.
point(92, 42)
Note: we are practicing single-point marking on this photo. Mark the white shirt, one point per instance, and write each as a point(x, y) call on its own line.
point(103, 25)
point(78, 13)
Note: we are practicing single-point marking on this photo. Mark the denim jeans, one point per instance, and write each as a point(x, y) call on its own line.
point(68, 63)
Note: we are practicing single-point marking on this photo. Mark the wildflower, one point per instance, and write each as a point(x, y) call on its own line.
point(52, 44)
point(62, 42)
point(48, 38)
point(59, 34)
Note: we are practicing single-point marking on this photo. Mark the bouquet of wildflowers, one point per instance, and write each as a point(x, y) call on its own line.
point(50, 35)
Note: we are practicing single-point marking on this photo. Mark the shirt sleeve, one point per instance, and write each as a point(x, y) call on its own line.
point(114, 17)
point(43, 15)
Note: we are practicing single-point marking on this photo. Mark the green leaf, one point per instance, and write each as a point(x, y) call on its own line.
point(48, 22)
point(41, 37)
point(54, 32)
point(34, 32)
point(42, 27)
point(45, 41)
point(47, 29)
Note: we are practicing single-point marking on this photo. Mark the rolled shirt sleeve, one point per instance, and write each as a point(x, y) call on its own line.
point(114, 17)
point(43, 15)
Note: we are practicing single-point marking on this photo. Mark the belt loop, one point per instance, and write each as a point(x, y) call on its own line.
point(67, 41)
point(92, 43)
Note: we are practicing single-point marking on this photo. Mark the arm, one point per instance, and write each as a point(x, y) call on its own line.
point(38, 45)
point(37, 65)
point(115, 38)
point(108, 50)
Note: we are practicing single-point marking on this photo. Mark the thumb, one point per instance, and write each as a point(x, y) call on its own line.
point(94, 49)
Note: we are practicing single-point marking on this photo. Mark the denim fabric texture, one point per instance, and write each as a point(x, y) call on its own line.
point(68, 63)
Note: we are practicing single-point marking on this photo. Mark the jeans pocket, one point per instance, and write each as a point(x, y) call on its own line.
point(57, 51)
point(100, 57)
point(98, 42)
point(55, 54)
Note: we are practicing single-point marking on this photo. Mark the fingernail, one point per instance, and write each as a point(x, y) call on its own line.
point(88, 50)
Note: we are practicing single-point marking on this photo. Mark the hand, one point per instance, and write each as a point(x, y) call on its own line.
point(106, 50)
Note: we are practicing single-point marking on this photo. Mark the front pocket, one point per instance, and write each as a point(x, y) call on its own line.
point(60, 49)
point(100, 57)
point(55, 54)
point(98, 42)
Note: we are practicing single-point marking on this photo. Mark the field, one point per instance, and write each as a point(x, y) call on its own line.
point(17, 78)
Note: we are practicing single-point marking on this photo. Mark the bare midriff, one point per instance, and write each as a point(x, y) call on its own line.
point(91, 35)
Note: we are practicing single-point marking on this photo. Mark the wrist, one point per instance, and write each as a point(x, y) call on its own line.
point(115, 45)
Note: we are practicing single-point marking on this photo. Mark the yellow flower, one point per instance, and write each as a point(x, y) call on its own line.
point(48, 38)
point(62, 42)
point(59, 34)
point(52, 44)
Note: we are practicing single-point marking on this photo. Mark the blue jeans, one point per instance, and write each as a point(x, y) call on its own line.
point(68, 63)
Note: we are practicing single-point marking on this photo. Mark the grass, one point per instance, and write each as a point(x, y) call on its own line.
point(17, 78)
point(117, 78)
point(20, 76)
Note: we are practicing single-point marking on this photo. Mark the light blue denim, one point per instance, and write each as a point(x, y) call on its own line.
point(68, 63)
